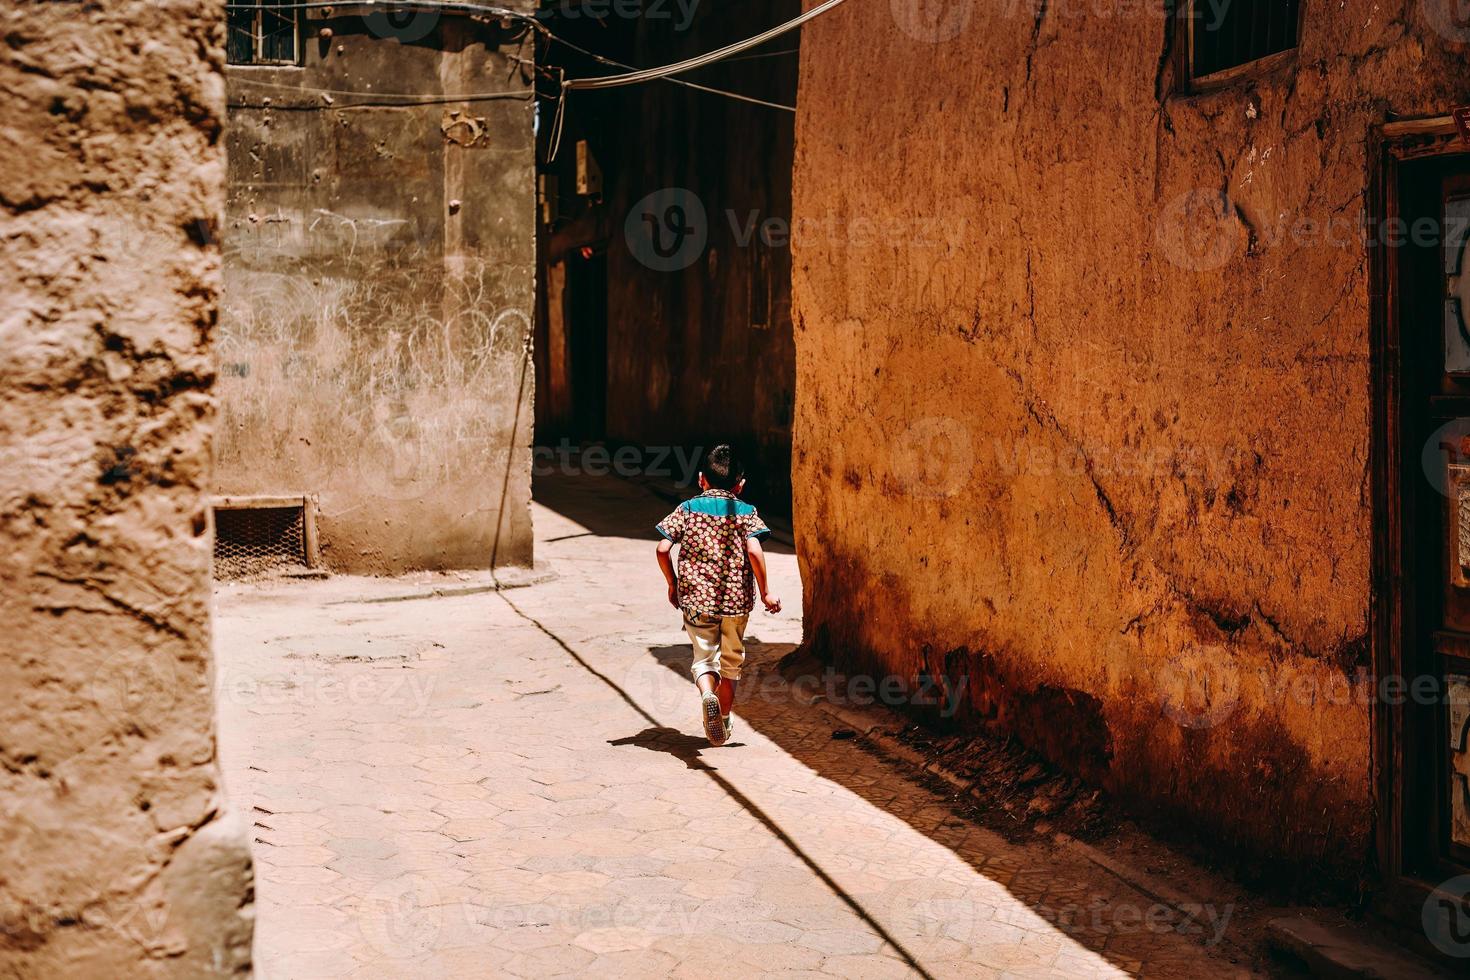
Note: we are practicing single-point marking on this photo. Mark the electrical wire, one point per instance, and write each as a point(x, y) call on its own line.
point(677, 81)
point(465, 6)
point(372, 104)
point(633, 75)
point(414, 98)
point(765, 54)
point(689, 64)
point(558, 121)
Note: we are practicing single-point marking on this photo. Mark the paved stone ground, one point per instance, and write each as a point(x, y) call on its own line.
point(510, 784)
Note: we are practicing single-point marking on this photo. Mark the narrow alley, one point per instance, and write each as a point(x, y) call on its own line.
point(1097, 377)
point(446, 780)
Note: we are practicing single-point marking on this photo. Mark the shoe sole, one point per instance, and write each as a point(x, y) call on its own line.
point(714, 724)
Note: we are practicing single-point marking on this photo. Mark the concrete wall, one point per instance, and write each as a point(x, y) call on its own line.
point(379, 271)
point(699, 348)
point(1082, 414)
point(117, 859)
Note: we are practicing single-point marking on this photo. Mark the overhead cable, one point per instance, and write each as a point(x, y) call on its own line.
point(648, 74)
point(469, 7)
point(677, 81)
point(373, 99)
point(465, 6)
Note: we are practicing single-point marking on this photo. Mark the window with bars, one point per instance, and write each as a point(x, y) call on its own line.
point(1227, 36)
point(262, 32)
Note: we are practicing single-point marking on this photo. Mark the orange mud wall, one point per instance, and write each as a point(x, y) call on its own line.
point(1082, 409)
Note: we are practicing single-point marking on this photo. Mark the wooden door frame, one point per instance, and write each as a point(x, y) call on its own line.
point(1390, 146)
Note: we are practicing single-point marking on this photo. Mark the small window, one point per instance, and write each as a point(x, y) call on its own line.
point(261, 32)
point(1226, 36)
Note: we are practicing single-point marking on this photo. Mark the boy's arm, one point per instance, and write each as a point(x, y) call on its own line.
point(758, 568)
point(666, 565)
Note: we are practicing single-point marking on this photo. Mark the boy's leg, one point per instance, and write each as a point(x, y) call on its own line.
point(704, 635)
point(725, 691)
point(732, 659)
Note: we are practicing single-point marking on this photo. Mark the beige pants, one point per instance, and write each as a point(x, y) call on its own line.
point(719, 645)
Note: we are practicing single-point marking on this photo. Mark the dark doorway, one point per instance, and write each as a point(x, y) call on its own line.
point(1422, 525)
point(1435, 433)
point(699, 343)
point(587, 343)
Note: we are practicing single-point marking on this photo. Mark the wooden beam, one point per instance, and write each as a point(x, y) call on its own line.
point(1430, 126)
point(258, 502)
point(308, 532)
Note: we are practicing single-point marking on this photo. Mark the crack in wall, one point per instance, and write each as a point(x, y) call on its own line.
point(153, 620)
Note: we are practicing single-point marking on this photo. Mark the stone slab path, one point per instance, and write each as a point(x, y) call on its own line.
point(482, 784)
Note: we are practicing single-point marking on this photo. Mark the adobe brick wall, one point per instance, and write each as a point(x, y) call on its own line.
point(1082, 413)
point(115, 859)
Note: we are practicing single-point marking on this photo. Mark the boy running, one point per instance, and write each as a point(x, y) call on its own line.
point(720, 563)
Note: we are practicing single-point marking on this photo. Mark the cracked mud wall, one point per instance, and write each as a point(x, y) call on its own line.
point(379, 263)
point(117, 859)
point(1082, 415)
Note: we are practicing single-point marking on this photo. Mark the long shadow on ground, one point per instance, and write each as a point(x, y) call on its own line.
point(1088, 907)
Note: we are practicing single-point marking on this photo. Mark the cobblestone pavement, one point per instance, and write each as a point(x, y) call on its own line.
point(509, 783)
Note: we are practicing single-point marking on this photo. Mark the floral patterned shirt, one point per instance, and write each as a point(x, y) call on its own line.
point(714, 572)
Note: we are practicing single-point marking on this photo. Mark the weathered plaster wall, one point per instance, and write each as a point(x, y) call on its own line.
point(1082, 409)
point(115, 859)
point(701, 348)
point(379, 257)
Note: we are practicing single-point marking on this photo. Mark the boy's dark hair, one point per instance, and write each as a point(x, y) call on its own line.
point(722, 468)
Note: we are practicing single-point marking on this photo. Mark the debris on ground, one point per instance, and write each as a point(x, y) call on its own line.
point(1007, 779)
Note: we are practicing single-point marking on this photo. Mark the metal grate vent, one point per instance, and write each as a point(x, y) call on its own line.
point(263, 536)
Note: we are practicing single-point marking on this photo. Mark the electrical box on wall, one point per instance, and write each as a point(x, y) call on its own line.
point(589, 174)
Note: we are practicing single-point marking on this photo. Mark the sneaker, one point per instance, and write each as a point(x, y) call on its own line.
point(729, 727)
point(714, 722)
